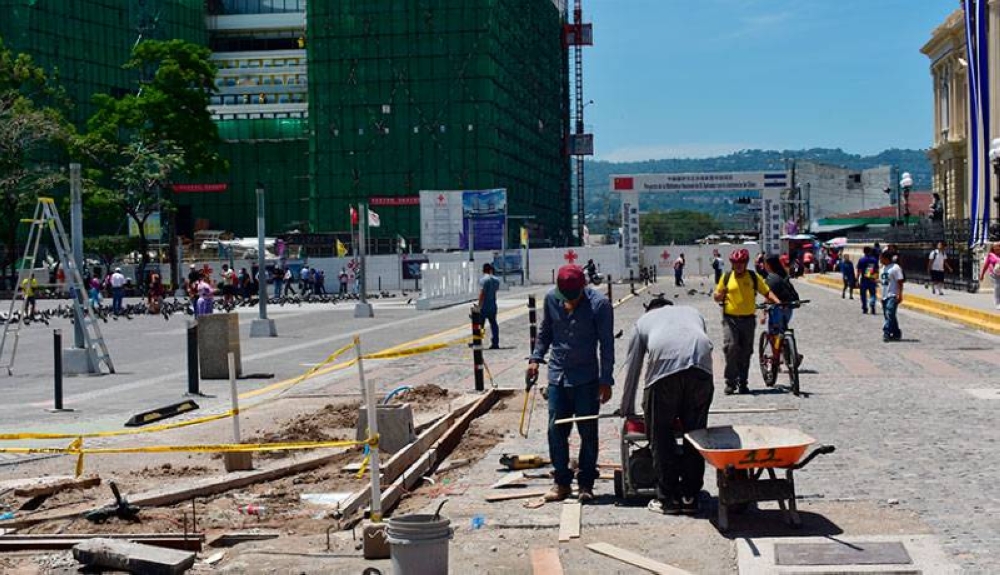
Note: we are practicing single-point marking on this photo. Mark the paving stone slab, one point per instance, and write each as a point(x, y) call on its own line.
point(864, 553)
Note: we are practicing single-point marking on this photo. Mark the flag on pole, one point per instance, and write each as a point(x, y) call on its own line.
point(977, 52)
point(373, 220)
point(524, 237)
point(354, 216)
point(341, 249)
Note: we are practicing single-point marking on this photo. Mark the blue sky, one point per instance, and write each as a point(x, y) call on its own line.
point(697, 78)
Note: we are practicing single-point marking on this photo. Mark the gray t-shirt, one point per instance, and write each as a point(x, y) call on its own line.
point(675, 339)
point(490, 285)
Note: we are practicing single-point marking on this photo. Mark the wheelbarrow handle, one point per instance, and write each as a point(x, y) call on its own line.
point(821, 450)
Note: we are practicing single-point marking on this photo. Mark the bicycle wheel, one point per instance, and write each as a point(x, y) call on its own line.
point(791, 353)
point(768, 361)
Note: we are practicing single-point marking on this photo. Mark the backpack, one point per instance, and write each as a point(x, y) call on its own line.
point(716, 264)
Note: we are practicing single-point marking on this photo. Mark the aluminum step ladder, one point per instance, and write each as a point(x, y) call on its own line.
point(47, 217)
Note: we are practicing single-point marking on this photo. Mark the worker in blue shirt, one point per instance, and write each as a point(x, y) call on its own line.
point(576, 321)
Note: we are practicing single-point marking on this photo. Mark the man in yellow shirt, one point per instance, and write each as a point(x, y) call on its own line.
point(28, 286)
point(737, 293)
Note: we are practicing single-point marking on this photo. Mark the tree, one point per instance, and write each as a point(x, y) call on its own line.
point(109, 248)
point(678, 226)
point(142, 140)
point(33, 132)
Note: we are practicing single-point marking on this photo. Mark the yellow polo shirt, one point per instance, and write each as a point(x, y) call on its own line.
point(742, 295)
point(29, 286)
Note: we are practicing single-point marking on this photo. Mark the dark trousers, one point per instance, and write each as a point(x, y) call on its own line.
point(868, 290)
point(570, 402)
point(686, 396)
point(678, 277)
point(737, 345)
point(491, 317)
point(117, 294)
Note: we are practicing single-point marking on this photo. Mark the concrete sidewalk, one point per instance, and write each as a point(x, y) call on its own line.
point(971, 309)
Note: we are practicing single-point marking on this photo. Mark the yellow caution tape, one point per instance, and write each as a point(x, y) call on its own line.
point(77, 448)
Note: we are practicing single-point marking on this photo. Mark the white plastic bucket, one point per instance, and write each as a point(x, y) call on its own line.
point(419, 544)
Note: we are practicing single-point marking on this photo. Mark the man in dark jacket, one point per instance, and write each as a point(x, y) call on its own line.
point(576, 321)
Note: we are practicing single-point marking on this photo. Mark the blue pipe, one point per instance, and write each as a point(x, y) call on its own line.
point(395, 391)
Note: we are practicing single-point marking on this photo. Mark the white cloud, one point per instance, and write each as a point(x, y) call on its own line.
point(672, 151)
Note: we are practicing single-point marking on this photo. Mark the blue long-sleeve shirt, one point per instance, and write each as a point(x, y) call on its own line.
point(574, 337)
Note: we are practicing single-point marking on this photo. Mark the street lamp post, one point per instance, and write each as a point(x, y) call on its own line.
point(906, 183)
point(995, 160)
point(262, 326)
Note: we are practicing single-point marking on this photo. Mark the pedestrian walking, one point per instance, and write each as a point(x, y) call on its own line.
point(191, 286)
point(847, 273)
point(737, 293)
point(937, 265)
point(991, 266)
point(305, 281)
point(342, 277)
point(117, 291)
point(154, 294)
point(243, 279)
point(288, 279)
point(678, 385)
point(577, 327)
point(95, 293)
point(679, 270)
point(319, 281)
point(206, 300)
point(868, 276)
point(278, 278)
point(29, 287)
point(717, 265)
point(489, 285)
point(228, 285)
point(892, 295)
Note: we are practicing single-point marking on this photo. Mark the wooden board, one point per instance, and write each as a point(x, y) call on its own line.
point(492, 498)
point(230, 539)
point(512, 479)
point(36, 486)
point(569, 522)
point(132, 557)
point(67, 541)
point(546, 562)
point(635, 559)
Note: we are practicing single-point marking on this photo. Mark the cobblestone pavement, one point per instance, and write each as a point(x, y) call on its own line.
point(910, 436)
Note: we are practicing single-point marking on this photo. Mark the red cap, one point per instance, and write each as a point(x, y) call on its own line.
point(570, 282)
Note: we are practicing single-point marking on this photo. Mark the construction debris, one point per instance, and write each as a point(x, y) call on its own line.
point(121, 509)
point(230, 539)
point(51, 485)
point(569, 522)
point(512, 479)
point(51, 542)
point(133, 557)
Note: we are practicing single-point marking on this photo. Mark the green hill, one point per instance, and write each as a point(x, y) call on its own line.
point(720, 205)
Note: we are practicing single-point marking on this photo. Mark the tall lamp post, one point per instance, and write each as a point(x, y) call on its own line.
point(906, 183)
point(995, 160)
point(262, 326)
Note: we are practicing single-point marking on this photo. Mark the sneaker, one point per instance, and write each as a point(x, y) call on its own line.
point(744, 389)
point(730, 390)
point(494, 346)
point(689, 505)
point(664, 508)
point(586, 494)
point(558, 493)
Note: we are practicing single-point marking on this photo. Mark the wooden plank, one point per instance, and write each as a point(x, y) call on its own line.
point(50, 486)
point(61, 542)
point(635, 559)
point(546, 561)
point(230, 539)
point(494, 497)
point(407, 481)
point(569, 522)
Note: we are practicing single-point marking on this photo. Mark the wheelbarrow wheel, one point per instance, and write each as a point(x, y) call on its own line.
point(768, 360)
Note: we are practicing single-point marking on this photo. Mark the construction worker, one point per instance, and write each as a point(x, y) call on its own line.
point(29, 286)
point(737, 293)
point(678, 386)
point(576, 321)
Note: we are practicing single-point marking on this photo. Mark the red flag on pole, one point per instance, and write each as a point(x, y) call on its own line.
point(354, 216)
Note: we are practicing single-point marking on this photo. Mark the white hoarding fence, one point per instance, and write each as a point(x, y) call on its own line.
point(447, 283)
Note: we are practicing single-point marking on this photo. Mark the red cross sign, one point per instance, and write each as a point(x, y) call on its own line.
point(571, 256)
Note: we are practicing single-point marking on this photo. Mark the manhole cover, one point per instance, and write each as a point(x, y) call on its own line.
point(891, 553)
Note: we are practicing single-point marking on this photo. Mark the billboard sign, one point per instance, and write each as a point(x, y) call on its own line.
point(445, 215)
point(699, 182)
point(486, 212)
point(770, 221)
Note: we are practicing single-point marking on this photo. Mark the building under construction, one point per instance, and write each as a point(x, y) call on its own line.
point(329, 104)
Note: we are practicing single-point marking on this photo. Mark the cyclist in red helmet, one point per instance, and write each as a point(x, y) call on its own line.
point(737, 293)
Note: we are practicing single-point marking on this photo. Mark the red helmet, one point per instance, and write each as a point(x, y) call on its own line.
point(739, 255)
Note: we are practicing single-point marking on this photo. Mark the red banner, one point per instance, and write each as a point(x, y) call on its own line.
point(394, 201)
point(198, 188)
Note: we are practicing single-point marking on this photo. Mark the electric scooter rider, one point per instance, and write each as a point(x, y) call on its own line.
point(592, 276)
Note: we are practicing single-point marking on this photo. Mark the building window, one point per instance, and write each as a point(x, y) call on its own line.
point(945, 103)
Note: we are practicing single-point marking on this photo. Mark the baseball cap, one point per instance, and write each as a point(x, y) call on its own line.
point(569, 283)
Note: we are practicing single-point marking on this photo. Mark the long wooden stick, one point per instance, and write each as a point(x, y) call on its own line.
point(711, 412)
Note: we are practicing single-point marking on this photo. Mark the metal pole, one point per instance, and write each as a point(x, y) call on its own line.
point(234, 397)
point(368, 389)
point(363, 240)
point(57, 363)
point(609, 288)
point(76, 222)
point(192, 358)
point(532, 324)
point(472, 238)
point(261, 269)
point(477, 347)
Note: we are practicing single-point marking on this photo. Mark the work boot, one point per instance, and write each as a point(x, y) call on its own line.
point(730, 389)
point(586, 494)
point(558, 492)
point(664, 507)
point(744, 389)
point(689, 505)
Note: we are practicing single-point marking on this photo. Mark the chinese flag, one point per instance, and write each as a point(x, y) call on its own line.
point(354, 216)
